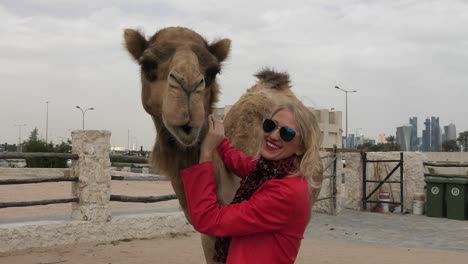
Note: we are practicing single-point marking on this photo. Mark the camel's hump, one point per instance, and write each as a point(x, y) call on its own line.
point(277, 80)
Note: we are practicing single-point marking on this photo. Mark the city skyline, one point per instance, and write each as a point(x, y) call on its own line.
point(404, 59)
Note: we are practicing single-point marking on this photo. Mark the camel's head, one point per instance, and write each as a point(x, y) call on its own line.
point(178, 75)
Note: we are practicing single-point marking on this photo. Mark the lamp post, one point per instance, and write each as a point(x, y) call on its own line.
point(83, 112)
point(346, 95)
point(20, 147)
point(47, 124)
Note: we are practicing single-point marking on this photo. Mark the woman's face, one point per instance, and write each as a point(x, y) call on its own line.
point(273, 147)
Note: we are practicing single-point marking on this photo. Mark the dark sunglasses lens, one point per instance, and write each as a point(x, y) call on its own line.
point(287, 134)
point(269, 125)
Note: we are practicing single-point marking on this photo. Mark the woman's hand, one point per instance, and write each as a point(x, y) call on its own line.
point(213, 137)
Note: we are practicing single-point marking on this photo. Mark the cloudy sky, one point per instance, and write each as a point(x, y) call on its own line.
point(405, 58)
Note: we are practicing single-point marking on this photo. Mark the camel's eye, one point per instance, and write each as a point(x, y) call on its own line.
point(211, 73)
point(148, 68)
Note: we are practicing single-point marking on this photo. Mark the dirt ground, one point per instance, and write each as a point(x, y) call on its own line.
point(187, 250)
point(327, 239)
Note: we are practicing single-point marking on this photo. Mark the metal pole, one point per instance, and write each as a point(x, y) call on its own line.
point(364, 180)
point(128, 140)
point(346, 95)
point(83, 113)
point(20, 146)
point(401, 184)
point(334, 191)
point(47, 124)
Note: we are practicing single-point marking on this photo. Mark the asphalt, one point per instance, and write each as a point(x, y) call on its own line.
point(411, 231)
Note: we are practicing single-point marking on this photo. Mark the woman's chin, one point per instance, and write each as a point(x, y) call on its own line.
point(268, 155)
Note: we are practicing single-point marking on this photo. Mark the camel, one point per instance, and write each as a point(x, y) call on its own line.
point(179, 91)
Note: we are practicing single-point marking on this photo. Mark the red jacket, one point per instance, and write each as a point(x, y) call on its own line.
point(268, 228)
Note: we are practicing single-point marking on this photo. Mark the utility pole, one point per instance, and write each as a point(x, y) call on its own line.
point(20, 146)
point(128, 140)
point(47, 124)
point(346, 93)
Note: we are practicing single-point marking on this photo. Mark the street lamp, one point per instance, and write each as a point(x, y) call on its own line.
point(84, 111)
point(346, 93)
point(20, 146)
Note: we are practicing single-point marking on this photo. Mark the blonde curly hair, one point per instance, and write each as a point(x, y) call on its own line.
point(309, 163)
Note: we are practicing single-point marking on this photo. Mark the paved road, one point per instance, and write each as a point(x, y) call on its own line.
point(410, 231)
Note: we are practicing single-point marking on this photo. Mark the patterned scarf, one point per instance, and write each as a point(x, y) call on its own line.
point(264, 170)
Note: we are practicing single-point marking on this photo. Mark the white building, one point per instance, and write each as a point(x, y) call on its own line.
point(450, 132)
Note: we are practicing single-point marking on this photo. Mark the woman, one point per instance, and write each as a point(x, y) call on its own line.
point(268, 216)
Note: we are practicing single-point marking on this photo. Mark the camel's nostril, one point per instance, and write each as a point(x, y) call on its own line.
point(186, 129)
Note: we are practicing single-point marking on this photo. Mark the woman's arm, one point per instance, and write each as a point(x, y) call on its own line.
point(235, 161)
point(267, 210)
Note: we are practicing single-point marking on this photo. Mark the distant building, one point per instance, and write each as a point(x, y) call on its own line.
point(414, 134)
point(403, 135)
point(330, 123)
point(436, 138)
point(382, 139)
point(351, 141)
point(432, 137)
point(450, 132)
point(8, 147)
point(426, 138)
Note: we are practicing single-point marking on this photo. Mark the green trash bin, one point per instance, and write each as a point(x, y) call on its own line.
point(435, 196)
point(456, 197)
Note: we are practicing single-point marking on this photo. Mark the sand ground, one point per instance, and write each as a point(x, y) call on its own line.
point(187, 250)
point(352, 237)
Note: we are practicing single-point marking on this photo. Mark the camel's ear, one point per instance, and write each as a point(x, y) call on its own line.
point(220, 49)
point(135, 43)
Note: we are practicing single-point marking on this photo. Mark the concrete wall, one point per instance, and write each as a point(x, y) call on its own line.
point(349, 181)
point(455, 157)
point(48, 234)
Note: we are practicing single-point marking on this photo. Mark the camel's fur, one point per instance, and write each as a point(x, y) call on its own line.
point(184, 53)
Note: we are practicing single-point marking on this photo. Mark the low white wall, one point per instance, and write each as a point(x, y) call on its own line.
point(451, 157)
point(49, 234)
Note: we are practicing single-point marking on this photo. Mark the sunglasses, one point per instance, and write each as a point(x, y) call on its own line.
point(286, 133)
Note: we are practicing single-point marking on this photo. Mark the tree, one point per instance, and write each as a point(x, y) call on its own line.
point(391, 144)
point(450, 146)
point(463, 140)
point(34, 144)
point(379, 147)
point(64, 147)
point(391, 140)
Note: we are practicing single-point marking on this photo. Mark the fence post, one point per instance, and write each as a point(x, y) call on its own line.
point(93, 172)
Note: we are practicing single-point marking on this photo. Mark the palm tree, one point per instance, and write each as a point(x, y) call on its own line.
point(391, 139)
